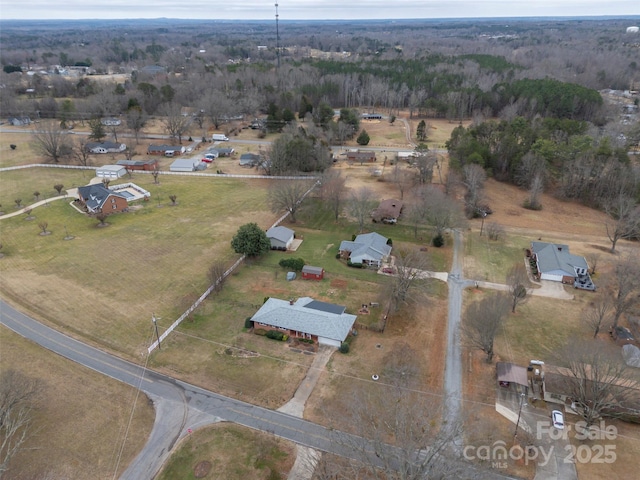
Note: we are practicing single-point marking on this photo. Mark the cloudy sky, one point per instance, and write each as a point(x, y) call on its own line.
point(310, 9)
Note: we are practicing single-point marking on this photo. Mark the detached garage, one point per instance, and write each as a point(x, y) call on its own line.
point(111, 171)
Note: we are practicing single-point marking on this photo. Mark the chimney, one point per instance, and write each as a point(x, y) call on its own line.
point(291, 302)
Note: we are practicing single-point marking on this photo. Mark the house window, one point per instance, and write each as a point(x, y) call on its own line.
point(113, 200)
point(114, 207)
point(555, 396)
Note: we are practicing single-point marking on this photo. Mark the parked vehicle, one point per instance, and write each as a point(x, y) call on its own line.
point(169, 153)
point(219, 137)
point(558, 419)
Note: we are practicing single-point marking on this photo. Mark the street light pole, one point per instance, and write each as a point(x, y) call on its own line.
point(155, 324)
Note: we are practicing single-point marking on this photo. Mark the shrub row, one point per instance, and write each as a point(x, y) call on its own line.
point(294, 264)
point(276, 335)
point(354, 265)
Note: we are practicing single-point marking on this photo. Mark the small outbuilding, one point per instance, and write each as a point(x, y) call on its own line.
point(143, 165)
point(111, 171)
point(312, 273)
point(280, 237)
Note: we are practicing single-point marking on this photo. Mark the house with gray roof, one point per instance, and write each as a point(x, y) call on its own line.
point(105, 147)
point(556, 263)
point(280, 237)
point(249, 159)
point(370, 249)
point(186, 165)
point(326, 323)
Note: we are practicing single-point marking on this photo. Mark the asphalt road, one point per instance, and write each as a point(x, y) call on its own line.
point(179, 405)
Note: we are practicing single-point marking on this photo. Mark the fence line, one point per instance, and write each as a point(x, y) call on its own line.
point(208, 291)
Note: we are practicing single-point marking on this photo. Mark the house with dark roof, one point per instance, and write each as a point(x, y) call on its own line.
point(144, 165)
point(162, 149)
point(280, 237)
point(326, 323)
point(225, 152)
point(388, 211)
point(370, 249)
point(98, 198)
point(554, 262)
point(362, 157)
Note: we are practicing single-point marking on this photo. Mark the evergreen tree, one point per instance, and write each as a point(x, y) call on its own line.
point(363, 138)
point(250, 240)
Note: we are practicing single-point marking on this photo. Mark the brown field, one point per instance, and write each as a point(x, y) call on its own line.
point(82, 420)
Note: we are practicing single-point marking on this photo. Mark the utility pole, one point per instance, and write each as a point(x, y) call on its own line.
point(155, 324)
point(522, 403)
point(277, 38)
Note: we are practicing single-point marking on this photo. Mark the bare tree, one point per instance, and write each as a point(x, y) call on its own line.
point(410, 266)
point(626, 287)
point(495, 231)
point(155, 173)
point(598, 380)
point(361, 205)
point(597, 313)
point(482, 321)
point(216, 275)
point(51, 141)
point(18, 395)
point(332, 191)
point(175, 123)
point(398, 436)
point(401, 178)
point(173, 199)
point(286, 196)
point(440, 212)
point(536, 187)
point(58, 188)
point(36, 195)
point(592, 259)
point(424, 164)
point(136, 120)
point(624, 219)
point(43, 226)
point(102, 216)
point(518, 283)
point(473, 178)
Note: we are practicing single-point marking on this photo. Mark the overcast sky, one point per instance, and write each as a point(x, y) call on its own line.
point(310, 9)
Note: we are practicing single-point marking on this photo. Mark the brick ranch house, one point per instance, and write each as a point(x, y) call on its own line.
point(97, 198)
point(325, 323)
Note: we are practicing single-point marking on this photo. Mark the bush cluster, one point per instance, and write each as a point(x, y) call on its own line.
point(344, 347)
point(248, 323)
point(306, 340)
point(354, 265)
point(294, 264)
point(260, 331)
point(276, 335)
point(438, 241)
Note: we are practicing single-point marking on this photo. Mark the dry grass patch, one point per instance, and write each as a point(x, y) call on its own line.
point(82, 417)
point(422, 329)
point(233, 453)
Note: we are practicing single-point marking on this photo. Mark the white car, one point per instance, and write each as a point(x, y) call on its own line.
point(558, 419)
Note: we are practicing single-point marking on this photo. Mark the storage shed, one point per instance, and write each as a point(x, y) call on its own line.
point(111, 171)
point(312, 273)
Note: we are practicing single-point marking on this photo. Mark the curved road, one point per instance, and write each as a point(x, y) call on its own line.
point(179, 405)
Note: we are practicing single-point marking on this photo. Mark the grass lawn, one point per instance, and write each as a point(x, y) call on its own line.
point(21, 184)
point(231, 452)
point(106, 282)
point(491, 260)
point(81, 419)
